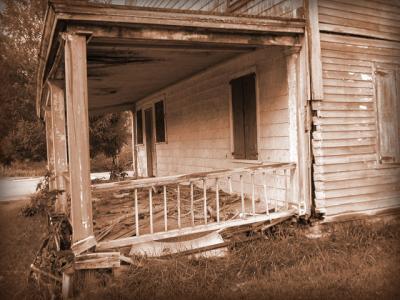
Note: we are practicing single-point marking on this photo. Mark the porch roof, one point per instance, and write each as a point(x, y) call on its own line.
point(133, 52)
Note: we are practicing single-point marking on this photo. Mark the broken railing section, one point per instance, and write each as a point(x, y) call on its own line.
point(261, 197)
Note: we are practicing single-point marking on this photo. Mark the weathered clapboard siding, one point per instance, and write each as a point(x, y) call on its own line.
point(270, 8)
point(347, 174)
point(198, 119)
point(379, 19)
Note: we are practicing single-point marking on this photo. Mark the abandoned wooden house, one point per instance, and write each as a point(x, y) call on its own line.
point(246, 111)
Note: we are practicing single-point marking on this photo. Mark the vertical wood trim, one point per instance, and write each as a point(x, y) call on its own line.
point(314, 48)
point(59, 142)
point(134, 150)
point(50, 147)
point(78, 142)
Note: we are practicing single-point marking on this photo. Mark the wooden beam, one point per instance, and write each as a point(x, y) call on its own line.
point(76, 89)
point(314, 47)
point(59, 142)
point(181, 36)
point(50, 147)
point(117, 14)
point(191, 230)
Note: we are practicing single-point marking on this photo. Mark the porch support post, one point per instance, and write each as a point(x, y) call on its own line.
point(50, 147)
point(78, 142)
point(292, 55)
point(59, 143)
point(298, 131)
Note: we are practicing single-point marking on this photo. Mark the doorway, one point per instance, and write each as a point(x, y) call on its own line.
point(148, 120)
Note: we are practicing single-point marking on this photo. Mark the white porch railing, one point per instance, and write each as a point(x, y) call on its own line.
point(263, 192)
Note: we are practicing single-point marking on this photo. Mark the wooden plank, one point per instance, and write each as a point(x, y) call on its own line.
point(370, 205)
point(59, 143)
point(359, 56)
point(163, 248)
point(313, 35)
point(334, 106)
point(346, 82)
point(321, 152)
point(191, 230)
point(362, 43)
point(345, 47)
point(343, 142)
point(347, 166)
point(343, 16)
point(117, 14)
point(358, 191)
point(343, 135)
point(355, 182)
point(345, 114)
point(78, 142)
point(360, 9)
point(346, 127)
point(343, 120)
point(333, 160)
point(395, 172)
point(358, 31)
point(348, 98)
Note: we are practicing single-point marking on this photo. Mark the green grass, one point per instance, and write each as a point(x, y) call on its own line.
point(357, 261)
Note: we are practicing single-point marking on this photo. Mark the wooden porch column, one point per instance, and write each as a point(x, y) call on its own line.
point(134, 153)
point(78, 142)
point(59, 143)
point(298, 133)
point(50, 147)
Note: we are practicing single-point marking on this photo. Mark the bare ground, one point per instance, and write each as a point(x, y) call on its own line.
point(356, 261)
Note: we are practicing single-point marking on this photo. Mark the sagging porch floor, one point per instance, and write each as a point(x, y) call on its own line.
point(186, 210)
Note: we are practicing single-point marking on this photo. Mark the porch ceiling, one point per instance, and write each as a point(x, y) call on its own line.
point(133, 52)
point(119, 74)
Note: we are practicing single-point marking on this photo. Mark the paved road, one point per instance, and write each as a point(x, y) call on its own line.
point(12, 188)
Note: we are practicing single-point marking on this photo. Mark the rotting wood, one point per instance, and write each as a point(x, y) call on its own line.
point(78, 142)
point(97, 260)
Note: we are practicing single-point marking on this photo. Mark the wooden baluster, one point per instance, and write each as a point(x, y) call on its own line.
point(205, 200)
point(242, 195)
point(253, 201)
point(276, 197)
point(287, 188)
point(136, 213)
point(179, 205)
point(217, 198)
point(165, 208)
point(230, 184)
point(265, 193)
point(192, 202)
point(151, 209)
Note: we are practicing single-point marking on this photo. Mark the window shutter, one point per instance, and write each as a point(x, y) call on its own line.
point(250, 119)
point(160, 121)
point(388, 103)
point(238, 119)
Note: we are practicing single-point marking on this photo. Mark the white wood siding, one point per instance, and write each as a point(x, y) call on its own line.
point(348, 177)
point(198, 118)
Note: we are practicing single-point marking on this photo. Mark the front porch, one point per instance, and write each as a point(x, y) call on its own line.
point(112, 59)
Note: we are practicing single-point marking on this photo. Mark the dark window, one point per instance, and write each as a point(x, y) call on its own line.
point(139, 127)
point(160, 121)
point(244, 117)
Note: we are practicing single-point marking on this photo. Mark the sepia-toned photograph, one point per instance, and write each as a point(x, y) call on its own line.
point(199, 149)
